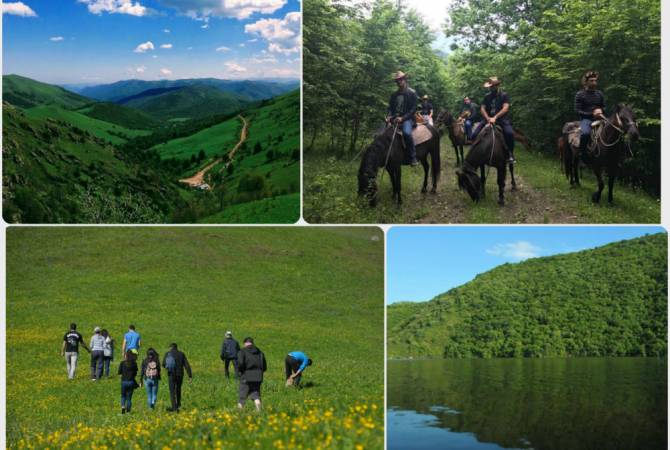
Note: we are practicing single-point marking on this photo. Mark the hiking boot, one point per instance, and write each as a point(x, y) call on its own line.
point(123, 410)
point(511, 160)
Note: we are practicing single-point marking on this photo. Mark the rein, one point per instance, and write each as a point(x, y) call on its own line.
point(388, 155)
point(600, 140)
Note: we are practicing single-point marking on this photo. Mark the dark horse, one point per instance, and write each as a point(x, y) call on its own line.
point(609, 148)
point(487, 150)
point(456, 132)
point(389, 152)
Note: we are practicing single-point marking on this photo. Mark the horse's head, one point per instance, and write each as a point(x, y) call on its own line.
point(469, 181)
point(367, 172)
point(444, 117)
point(628, 123)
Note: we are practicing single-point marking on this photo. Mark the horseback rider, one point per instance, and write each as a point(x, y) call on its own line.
point(426, 109)
point(469, 111)
point(590, 106)
point(495, 110)
point(402, 107)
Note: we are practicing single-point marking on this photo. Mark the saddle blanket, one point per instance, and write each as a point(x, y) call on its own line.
point(572, 131)
point(420, 134)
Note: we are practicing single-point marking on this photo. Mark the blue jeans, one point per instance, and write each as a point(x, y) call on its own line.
point(152, 390)
point(468, 129)
point(585, 127)
point(409, 140)
point(508, 133)
point(127, 388)
point(96, 364)
point(106, 361)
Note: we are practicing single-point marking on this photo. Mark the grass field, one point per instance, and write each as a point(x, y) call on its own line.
point(544, 196)
point(282, 209)
point(319, 290)
point(214, 141)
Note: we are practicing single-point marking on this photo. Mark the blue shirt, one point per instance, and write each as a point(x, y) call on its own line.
point(301, 357)
point(132, 340)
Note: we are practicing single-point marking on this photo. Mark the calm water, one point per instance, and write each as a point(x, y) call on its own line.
point(576, 403)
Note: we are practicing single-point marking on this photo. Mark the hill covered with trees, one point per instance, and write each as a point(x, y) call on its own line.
point(607, 301)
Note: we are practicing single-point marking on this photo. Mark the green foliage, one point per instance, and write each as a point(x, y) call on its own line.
point(280, 209)
point(119, 115)
point(609, 301)
point(26, 93)
point(190, 285)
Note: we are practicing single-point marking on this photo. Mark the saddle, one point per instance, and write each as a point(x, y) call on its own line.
point(573, 132)
point(421, 133)
point(498, 132)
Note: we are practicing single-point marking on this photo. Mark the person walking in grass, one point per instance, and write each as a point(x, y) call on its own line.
point(108, 352)
point(251, 364)
point(151, 374)
point(229, 350)
point(97, 354)
point(70, 349)
point(175, 362)
point(128, 372)
point(295, 364)
point(131, 340)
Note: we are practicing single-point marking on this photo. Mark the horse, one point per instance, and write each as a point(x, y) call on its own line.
point(456, 131)
point(487, 150)
point(609, 147)
point(387, 151)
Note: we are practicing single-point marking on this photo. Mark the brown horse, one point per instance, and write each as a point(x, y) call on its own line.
point(609, 147)
point(456, 132)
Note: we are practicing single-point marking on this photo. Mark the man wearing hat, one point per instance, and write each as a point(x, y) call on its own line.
point(495, 111)
point(469, 110)
point(426, 110)
point(251, 365)
point(590, 106)
point(97, 354)
point(229, 350)
point(402, 107)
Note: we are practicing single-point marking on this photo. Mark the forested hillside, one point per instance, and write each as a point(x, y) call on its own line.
point(608, 301)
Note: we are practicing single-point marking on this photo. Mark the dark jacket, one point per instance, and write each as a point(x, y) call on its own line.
point(128, 370)
point(474, 111)
point(230, 348)
point(181, 363)
point(403, 104)
point(588, 100)
point(145, 363)
point(251, 364)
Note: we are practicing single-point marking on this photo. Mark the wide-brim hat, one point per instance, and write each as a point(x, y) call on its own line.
point(425, 97)
point(492, 81)
point(399, 75)
point(229, 333)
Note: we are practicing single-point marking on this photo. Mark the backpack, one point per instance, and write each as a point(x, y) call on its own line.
point(152, 369)
point(170, 363)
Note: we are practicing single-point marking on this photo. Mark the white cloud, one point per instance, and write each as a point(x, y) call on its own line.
point(205, 26)
point(234, 67)
point(518, 250)
point(238, 9)
point(166, 30)
point(165, 71)
point(18, 9)
point(115, 7)
point(283, 36)
point(56, 38)
point(264, 60)
point(154, 56)
point(140, 69)
point(223, 48)
point(142, 48)
point(242, 44)
point(252, 40)
point(166, 46)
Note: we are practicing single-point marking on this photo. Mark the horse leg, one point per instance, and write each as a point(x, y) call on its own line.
point(610, 187)
point(482, 170)
point(575, 169)
point(511, 172)
point(501, 184)
point(458, 161)
point(595, 197)
point(462, 158)
point(424, 163)
point(398, 185)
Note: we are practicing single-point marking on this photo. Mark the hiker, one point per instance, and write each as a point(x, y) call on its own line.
point(469, 112)
point(402, 107)
point(70, 349)
point(151, 375)
point(128, 371)
point(229, 350)
point(495, 110)
point(175, 362)
point(131, 340)
point(426, 109)
point(108, 352)
point(295, 364)
point(251, 365)
point(97, 354)
point(590, 106)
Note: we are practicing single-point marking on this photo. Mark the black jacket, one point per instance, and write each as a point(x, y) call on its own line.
point(251, 364)
point(128, 370)
point(403, 104)
point(181, 363)
point(586, 101)
point(230, 348)
point(145, 363)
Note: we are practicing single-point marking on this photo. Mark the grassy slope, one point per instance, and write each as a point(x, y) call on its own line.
point(282, 209)
point(284, 286)
point(215, 141)
point(594, 300)
point(545, 196)
point(26, 93)
point(119, 115)
point(100, 128)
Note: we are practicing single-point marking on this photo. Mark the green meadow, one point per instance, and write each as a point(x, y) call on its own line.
point(317, 290)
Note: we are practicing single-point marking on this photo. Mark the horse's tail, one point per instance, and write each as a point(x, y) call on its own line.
point(565, 154)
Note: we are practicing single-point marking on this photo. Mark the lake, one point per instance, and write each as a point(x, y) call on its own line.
point(552, 403)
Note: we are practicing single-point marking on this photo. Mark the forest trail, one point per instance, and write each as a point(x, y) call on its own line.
point(199, 178)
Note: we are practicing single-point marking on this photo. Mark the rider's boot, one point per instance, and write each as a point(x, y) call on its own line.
point(583, 149)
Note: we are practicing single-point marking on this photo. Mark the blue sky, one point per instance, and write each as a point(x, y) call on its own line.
point(423, 262)
point(101, 41)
